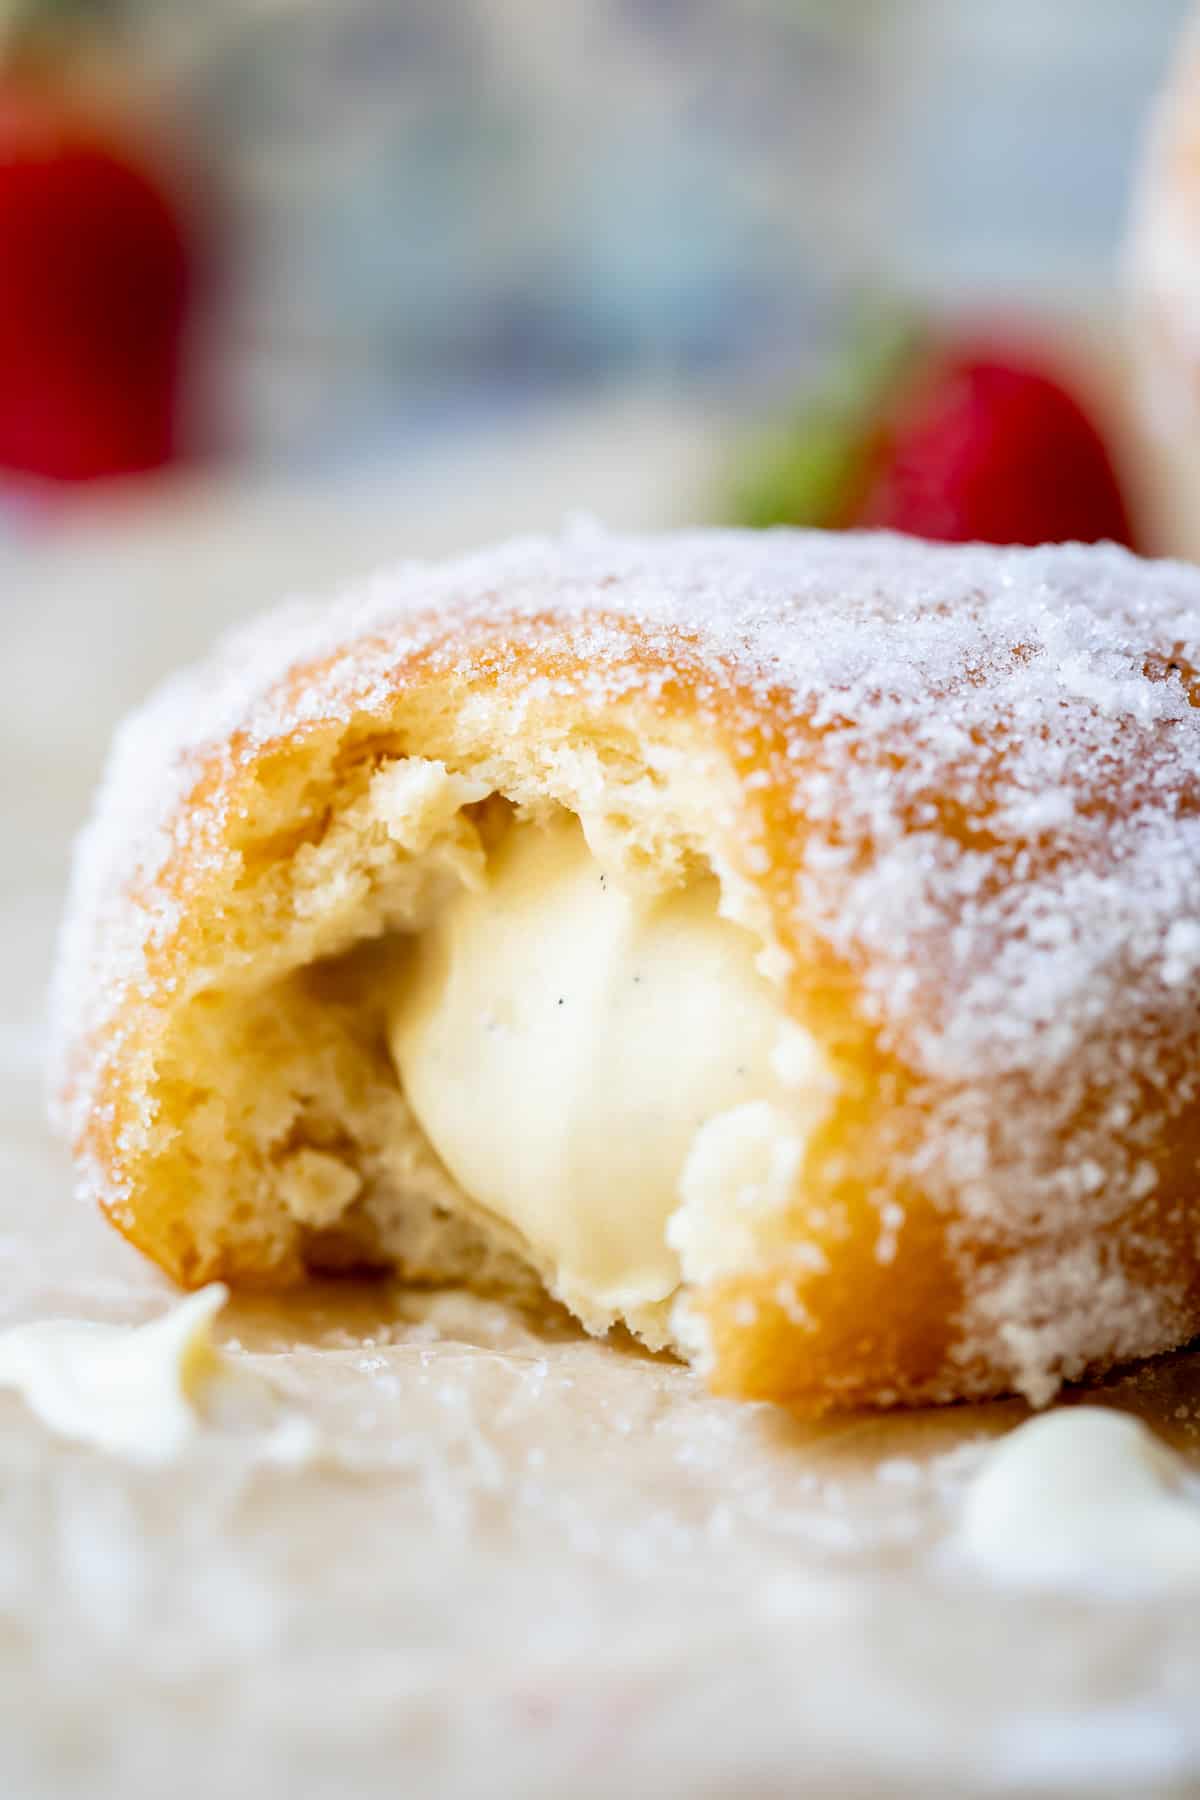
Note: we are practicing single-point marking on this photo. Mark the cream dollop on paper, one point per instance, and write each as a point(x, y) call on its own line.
point(1083, 1496)
point(147, 1391)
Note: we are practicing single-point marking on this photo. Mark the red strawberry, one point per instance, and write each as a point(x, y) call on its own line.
point(95, 290)
point(987, 446)
point(970, 441)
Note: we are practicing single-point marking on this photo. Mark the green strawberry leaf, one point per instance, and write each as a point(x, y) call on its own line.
point(810, 469)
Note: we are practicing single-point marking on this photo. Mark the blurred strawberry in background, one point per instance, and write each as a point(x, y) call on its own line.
point(955, 437)
point(97, 257)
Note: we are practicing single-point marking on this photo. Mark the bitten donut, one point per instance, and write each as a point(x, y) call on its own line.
point(785, 945)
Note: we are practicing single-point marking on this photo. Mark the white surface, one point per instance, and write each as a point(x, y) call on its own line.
point(528, 1567)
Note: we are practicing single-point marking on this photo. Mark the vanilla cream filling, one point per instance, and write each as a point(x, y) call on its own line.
point(568, 1044)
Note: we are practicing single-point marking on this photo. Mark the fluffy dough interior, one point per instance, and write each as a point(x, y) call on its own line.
point(398, 1086)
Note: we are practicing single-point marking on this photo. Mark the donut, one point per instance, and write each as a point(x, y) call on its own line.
point(783, 946)
point(1163, 252)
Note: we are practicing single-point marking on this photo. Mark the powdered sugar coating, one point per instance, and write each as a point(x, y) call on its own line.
point(992, 758)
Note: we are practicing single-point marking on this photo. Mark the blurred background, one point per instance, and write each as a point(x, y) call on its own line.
point(288, 287)
point(298, 235)
point(418, 213)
